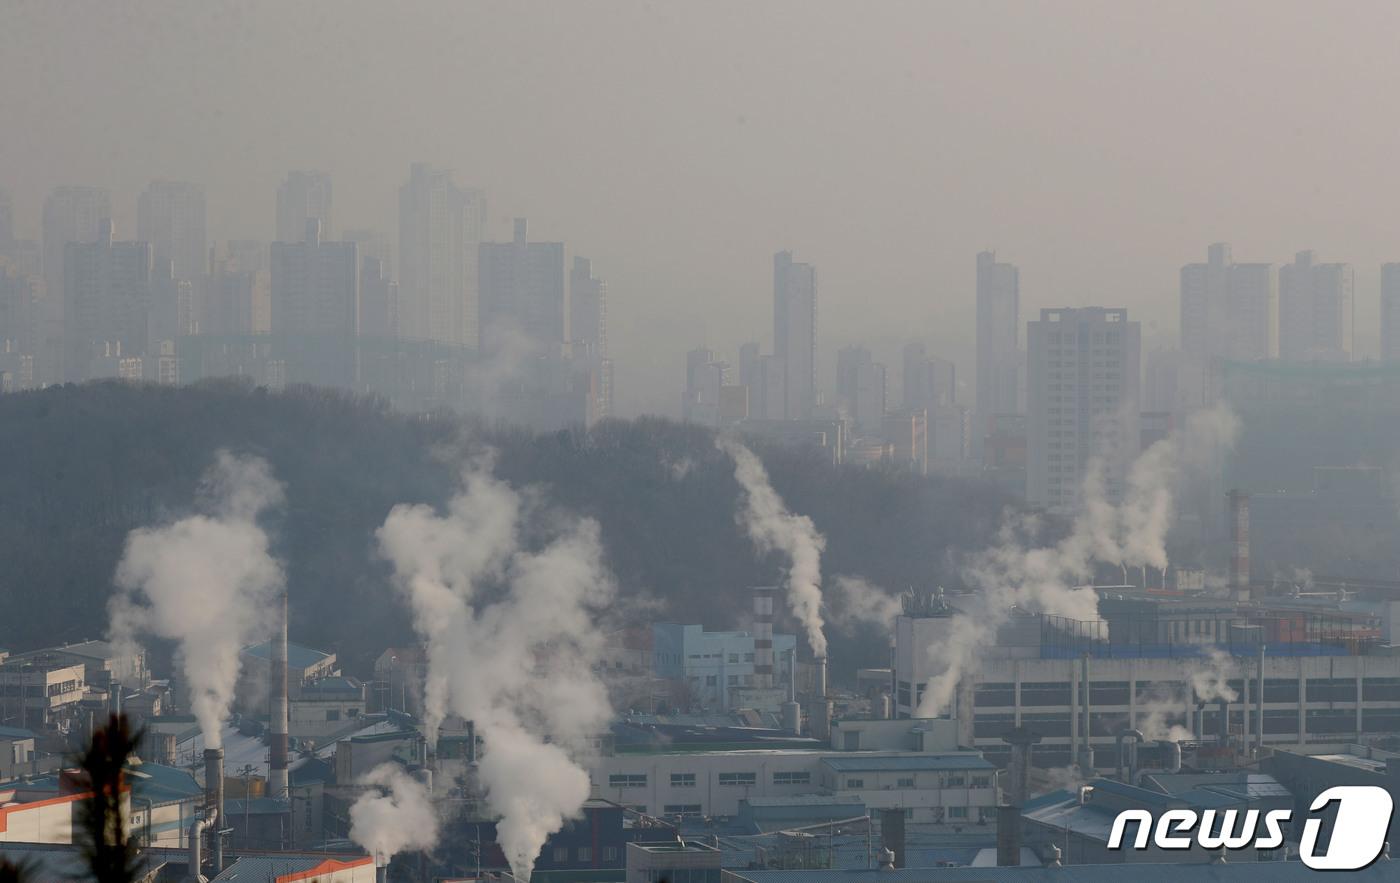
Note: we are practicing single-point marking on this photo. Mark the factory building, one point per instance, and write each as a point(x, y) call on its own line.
point(717, 667)
point(41, 691)
point(1327, 676)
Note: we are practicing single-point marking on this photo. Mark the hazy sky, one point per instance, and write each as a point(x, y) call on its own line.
point(1099, 145)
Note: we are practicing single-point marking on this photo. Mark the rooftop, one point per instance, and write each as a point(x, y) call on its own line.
point(901, 763)
point(1238, 872)
point(298, 657)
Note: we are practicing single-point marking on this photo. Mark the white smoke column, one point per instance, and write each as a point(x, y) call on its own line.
point(772, 527)
point(861, 601)
point(1051, 580)
point(395, 815)
point(207, 581)
point(1154, 710)
point(521, 666)
point(1211, 680)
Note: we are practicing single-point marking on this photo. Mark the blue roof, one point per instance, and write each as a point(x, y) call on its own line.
point(297, 655)
point(15, 733)
point(901, 763)
point(333, 685)
point(162, 784)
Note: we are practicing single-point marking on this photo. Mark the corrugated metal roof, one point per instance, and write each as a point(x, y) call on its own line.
point(297, 655)
point(899, 763)
point(1237, 872)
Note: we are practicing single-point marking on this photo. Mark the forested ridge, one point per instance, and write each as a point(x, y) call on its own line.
point(80, 466)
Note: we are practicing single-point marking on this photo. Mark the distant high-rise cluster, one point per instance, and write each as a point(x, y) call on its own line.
point(443, 317)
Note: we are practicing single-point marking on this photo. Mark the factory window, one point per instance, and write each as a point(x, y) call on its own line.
point(738, 778)
point(1327, 720)
point(748, 657)
point(1286, 690)
point(1044, 693)
point(733, 680)
point(981, 782)
point(902, 693)
point(1379, 720)
point(855, 783)
point(791, 778)
point(609, 853)
point(682, 780)
point(1278, 721)
point(1331, 690)
point(711, 680)
point(905, 782)
point(333, 714)
point(1108, 692)
point(956, 780)
point(734, 657)
point(957, 812)
point(1372, 689)
point(627, 780)
point(681, 809)
point(992, 726)
point(1000, 695)
point(1049, 724)
point(585, 853)
point(561, 855)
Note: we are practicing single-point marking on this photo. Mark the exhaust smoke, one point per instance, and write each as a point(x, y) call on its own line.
point(206, 581)
point(512, 645)
point(395, 815)
point(772, 527)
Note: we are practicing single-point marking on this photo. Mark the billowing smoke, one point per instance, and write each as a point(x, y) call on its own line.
point(512, 646)
point(394, 815)
point(1157, 710)
point(1015, 573)
point(1211, 679)
point(206, 581)
point(855, 600)
point(772, 527)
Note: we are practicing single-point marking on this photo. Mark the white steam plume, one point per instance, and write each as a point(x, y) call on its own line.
point(772, 527)
point(1156, 709)
point(1211, 680)
point(394, 815)
point(1050, 580)
point(861, 601)
point(521, 665)
point(207, 581)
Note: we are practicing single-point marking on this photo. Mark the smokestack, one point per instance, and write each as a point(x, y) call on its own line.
point(1239, 539)
point(1008, 836)
point(1224, 730)
point(821, 677)
point(214, 803)
point(791, 711)
point(1086, 755)
point(277, 781)
point(1022, 742)
point(763, 636)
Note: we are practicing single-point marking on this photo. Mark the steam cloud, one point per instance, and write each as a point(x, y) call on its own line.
point(395, 815)
point(206, 581)
point(861, 601)
point(772, 527)
point(1051, 580)
point(519, 663)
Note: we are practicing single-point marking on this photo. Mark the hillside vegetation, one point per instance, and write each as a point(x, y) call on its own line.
point(80, 466)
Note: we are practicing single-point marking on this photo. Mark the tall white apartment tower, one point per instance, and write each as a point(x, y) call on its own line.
point(1083, 370)
point(440, 231)
point(795, 334)
point(1316, 315)
point(1227, 315)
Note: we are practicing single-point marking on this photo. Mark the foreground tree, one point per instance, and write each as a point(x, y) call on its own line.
point(106, 846)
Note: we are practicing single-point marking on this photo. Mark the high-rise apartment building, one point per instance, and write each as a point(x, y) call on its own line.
point(588, 311)
point(1083, 372)
point(379, 300)
point(523, 297)
point(170, 215)
point(441, 227)
point(795, 335)
point(106, 301)
point(860, 389)
point(1390, 312)
point(316, 300)
point(303, 196)
point(1316, 315)
point(705, 377)
point(1227, 315)
point(998, 341)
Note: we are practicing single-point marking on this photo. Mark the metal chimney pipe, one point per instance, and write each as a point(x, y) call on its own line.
point(1239, 539)
point(381, 873)
point(277, 776)
point(821, 677)
point(214, 803)
point(197, 828)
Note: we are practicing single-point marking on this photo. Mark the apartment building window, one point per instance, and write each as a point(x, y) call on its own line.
point(907, 782)
point(681, 809)
point(585, 853)
point(682, 780)
point(561, 855)
point(792, 778)
point(627, 780)
point(855, 783)
point(738, 778)
point(981, 781)
point(734, 657)
point(956, 780)
point(957, 812)
point(609, 853)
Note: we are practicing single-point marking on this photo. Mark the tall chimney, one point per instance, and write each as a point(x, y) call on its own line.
point(277, 782)
point(1008, 836)
point(1239, 540)
point(214, 803)
point(763, 636)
